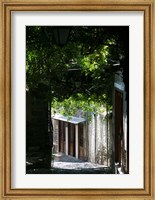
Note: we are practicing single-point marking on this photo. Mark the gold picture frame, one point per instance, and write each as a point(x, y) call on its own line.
point(148, 7)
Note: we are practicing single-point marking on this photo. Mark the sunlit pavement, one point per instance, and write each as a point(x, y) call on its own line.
point(64, 164)
point(63, 161)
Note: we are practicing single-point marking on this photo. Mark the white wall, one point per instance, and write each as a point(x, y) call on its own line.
point(100, 149)
point(55, 135)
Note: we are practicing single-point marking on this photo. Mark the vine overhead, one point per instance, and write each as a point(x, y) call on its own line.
point(80, 72)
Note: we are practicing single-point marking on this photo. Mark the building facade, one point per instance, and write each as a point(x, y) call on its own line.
point(87, 141)
point(120, 126)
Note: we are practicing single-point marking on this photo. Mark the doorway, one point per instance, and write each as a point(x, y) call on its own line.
point(118, 126)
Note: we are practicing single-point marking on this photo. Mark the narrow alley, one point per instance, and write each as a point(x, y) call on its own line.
point(64, 164)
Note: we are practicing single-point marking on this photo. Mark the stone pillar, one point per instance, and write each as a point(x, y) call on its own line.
point(66, 137)
point(76, 142)
point(55, 135)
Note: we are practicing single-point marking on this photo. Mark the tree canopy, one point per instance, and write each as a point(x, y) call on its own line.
point(80, 73)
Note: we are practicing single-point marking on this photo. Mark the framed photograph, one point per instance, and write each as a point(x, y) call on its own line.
point(77, 99)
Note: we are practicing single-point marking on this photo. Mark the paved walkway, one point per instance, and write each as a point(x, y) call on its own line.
point(64, 164)
point(63, 161)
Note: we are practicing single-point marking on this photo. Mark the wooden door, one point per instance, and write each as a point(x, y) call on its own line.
point(118, 125)
point(71, 137)
point(81, 142)
point(61, 137)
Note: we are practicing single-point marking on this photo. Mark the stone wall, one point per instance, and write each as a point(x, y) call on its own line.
point(38, 141)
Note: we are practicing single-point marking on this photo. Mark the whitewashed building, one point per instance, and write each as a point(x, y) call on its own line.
point(88, 141)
